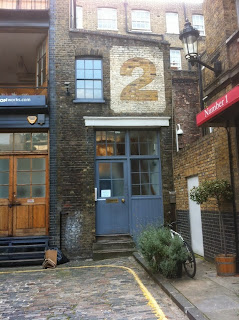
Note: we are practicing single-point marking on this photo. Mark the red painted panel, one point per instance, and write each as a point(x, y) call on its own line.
point(218, 106)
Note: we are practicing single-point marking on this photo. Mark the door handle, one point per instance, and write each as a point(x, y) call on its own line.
point(123, 200)
point(17, 204)
point(10, 205)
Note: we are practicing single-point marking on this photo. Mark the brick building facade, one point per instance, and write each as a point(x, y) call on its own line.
point(215, 155)
point(120, 119)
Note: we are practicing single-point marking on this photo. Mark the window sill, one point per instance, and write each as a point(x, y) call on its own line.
point(103, 29)
point(88, 101)
point(141, 30)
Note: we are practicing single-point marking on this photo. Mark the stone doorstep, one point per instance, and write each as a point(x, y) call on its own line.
point(192, 312)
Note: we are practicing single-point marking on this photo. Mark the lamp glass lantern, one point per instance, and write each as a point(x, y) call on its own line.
point(189, 36)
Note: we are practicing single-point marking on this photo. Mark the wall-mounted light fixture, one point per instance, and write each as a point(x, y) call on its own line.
point(67, 84)
point(189, 37)
point(179, 131)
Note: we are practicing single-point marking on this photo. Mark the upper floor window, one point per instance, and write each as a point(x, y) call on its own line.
point(172, 24)
point(107, 19)
point(198, 23)
point(79, 17)
point(175, 59)
point(140, 20)
point(41, 64)
point(89, 79)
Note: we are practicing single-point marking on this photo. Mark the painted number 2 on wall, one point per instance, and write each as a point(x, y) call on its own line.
point(133, 90)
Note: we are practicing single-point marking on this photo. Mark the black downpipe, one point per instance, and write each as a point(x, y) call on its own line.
point(234, 200)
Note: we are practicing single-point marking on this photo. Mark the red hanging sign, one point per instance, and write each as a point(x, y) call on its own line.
point(218, 106)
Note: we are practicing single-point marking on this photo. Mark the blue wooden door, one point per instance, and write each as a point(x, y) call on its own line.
point(112, 205)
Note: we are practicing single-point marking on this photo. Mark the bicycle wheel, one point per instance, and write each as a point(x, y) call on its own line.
point(190, 263)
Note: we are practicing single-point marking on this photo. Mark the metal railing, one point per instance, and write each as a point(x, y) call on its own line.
point(24, 4)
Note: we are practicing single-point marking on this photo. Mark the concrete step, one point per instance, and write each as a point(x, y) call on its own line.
point(110, 246)
point(107, 254)
point(120, 244)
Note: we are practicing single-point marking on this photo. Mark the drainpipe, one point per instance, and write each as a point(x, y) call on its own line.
point(234, 200)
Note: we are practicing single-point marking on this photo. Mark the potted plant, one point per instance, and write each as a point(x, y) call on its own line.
point(163, 253)
point(220, 190)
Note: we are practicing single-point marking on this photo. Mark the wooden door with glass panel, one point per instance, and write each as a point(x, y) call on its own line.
point(30, 205)
point(23, 185)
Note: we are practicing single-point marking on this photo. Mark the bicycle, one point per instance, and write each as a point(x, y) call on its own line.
point(190, 263)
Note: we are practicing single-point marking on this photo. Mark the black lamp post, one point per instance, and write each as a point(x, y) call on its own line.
point(189, 37)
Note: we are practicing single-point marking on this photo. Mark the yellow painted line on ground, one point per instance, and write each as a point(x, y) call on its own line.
point(151, 301)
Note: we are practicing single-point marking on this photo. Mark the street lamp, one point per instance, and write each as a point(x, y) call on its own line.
point(189, 37)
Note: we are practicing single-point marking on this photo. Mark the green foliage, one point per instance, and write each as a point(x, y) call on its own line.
point(163, 253)
point(219, 189)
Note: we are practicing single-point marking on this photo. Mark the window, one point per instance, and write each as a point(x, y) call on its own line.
point(198, 23)
point(79, 17)
point(41, 65)
point(175, 59)
point(89, 79)
point(144, 171)
point(110, 143)
point(32, 142)
point(140, 20)
point(172, 25)
point(107, 19)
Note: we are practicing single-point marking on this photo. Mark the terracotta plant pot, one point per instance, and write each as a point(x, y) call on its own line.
point(226, 265)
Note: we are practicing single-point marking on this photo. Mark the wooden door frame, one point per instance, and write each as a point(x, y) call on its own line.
point(12, 188)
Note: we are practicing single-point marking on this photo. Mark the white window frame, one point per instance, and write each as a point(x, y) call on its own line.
point(79, 17)
point(198, 23)
point(89, 79)
point(237, 8)
point(175, 59)
point(107, 18)
point(172, 22)
point(41, 75)
point(140, 20)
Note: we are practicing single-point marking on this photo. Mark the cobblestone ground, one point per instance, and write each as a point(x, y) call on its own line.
point(82, 290)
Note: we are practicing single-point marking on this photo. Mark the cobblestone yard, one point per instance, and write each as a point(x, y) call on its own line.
point(83, 290)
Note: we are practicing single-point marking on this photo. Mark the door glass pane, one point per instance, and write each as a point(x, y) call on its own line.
point(23, 191)
point(6, 141)
point(145, 189)
point(4, 192)
point(38, 177)
point(104, 170)
point(23, 164)
point(105, 188)
point(22, 142)
point(39, 141)
point(38, 191)
point(38, 164)
point(117, 170)
point(23, 178)
point(118, 188)
point(145, 177)
point(4, 177)
point(4, 164)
